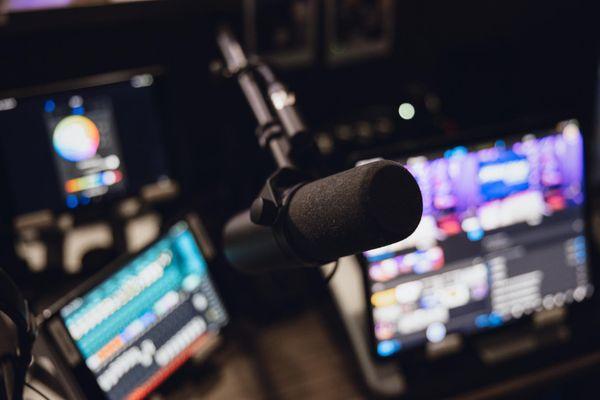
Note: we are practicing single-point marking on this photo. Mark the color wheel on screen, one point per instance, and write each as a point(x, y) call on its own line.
point(76, 138)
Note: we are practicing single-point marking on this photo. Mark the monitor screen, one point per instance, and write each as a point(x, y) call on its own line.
point(74, 144)
point(502, 236)
point(37, 5)
point(142, 322)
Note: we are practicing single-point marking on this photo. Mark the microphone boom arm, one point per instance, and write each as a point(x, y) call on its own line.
point(280, 128)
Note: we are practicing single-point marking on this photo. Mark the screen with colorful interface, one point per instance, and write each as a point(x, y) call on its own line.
point(502, 236)
point(141, 323)
point(37, 5)
point(69, 145)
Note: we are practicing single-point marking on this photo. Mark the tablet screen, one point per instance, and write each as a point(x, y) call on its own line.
point(139, 325)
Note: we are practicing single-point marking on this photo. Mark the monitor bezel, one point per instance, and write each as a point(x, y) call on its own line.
point(86, 380)
point(419, 352)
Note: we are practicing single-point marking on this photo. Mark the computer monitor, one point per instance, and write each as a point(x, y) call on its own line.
point(129, 328)
point(503, 235)
point(72, 144)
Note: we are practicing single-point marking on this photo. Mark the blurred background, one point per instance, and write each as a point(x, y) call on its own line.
point(372, 78)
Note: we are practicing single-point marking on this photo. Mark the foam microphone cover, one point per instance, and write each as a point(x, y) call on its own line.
point(366, 207)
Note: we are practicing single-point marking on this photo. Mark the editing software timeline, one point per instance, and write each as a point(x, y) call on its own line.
point(502, 236)
point(72, 144)
point(139, 325)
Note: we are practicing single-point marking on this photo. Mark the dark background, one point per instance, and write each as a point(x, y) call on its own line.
point(490, 63)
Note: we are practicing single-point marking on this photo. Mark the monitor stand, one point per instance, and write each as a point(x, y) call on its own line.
point(384, 379)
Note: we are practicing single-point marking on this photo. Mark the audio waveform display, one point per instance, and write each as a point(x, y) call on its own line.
point(142, 322)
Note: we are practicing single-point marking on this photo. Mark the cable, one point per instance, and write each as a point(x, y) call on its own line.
point(266, 73)
point(5, 384)
point(7, 377)
point(42, 395)
point(333, 271)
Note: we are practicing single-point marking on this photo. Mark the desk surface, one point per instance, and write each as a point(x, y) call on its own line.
point(277, 363)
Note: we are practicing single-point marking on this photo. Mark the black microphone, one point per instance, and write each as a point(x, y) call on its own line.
point(366, 207)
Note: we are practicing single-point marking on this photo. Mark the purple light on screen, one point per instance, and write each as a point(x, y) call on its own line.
point(464, 181)
point(569, 151)
point(24, 5)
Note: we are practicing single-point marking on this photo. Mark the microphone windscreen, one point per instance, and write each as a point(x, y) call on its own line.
point(366, 207)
